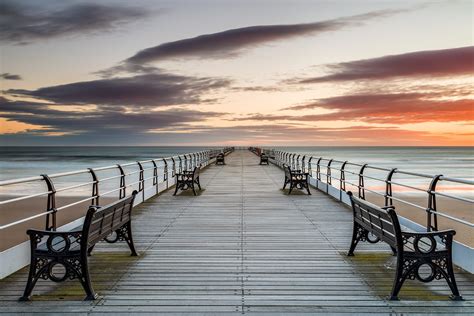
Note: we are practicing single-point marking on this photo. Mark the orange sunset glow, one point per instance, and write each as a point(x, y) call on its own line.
point(339, 76)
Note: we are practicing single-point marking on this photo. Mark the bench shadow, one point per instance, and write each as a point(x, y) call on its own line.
point(378, 271)
point(189, 192)
point(294, 192)
point(106, 269)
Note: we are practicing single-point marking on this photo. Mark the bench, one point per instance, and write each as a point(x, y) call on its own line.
point(187, 179)
point(63, 255)
point(417, 252)
point(296, 179)
point(220, 159)
point(263, 159)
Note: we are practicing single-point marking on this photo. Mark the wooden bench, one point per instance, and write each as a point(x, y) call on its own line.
point(296, 179)
point(187, 179)
point(417, 252)
point(63, 255)
point(263, 159)
point(220, 159)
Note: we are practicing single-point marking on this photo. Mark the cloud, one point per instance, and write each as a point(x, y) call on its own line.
point(256, 89)
point(114, 120)
point(234, 41)
point(433, 63)
point(116, 126)
point(156, 89)
point(9, 76)
point(397, 108)
point(174, 128)
point(22, 24)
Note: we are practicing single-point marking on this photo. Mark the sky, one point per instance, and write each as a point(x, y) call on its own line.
point(316, 73)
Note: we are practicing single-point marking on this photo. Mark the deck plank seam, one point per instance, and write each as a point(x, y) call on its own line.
point(328, 240)
point(242, 227)
point(153, 242)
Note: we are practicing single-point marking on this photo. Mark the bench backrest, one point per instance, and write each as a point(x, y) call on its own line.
point(380, 222)
point(102, 221)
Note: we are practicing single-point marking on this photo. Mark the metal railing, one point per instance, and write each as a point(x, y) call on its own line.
point(147, 174)
point(324, 169)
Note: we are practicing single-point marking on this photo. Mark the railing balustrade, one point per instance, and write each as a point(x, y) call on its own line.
point(126, 180)
point(336, 177)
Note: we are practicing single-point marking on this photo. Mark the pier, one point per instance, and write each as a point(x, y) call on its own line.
point(242, 246)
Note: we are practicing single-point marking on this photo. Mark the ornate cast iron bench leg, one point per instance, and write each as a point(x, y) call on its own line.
point(439, 261)
point(286, 182)
point(124, 233)
point(74, 263)
point(179, 184)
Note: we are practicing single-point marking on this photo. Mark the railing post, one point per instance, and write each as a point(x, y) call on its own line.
point(173, 168)
point(303, 166)
point(342, 183)
point(123, 188)
point(318, 169)
point(180, 163)
point(361, 182)
point(95, 187)
point(141, 179)
point(388, 187)
point(155, 176)
point(165, 173)
point(297, 162)
point(432, 217)
point(310, 171)
point(51, 204)
point(328, 175)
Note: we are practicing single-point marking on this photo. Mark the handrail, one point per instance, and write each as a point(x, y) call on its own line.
point(279, 158)
point(190, 159)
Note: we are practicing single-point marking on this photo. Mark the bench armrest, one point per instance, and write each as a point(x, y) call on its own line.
point(38, 236)
point(440, 233)
point(446, 237)
point(387, 207)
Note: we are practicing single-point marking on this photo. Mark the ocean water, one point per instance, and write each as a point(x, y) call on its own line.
point(20, 162)
point(455, 162)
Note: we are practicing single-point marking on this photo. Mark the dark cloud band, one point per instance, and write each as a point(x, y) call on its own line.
point(438, 63)
point(9, 76)
point(23, 24)
point(232, 42)
point(157, 89)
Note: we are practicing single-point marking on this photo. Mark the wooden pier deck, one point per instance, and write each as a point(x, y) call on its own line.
point(241, 247)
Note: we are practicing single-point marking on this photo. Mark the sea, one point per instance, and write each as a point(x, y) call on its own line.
point(20, 162)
